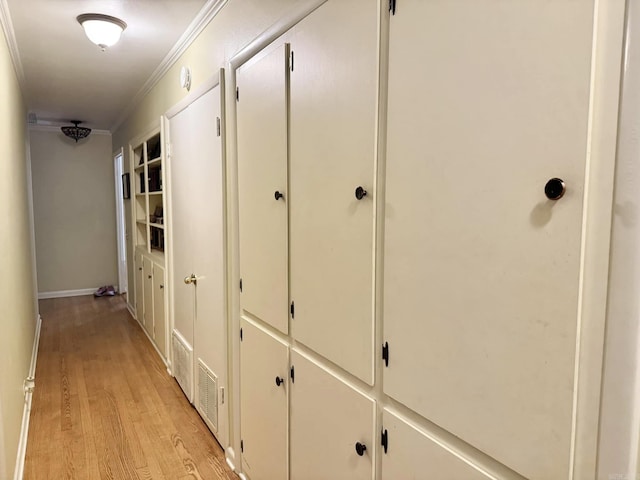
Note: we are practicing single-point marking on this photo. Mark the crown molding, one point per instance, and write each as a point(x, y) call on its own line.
point(10, 35)
point(195, 28)
point(56, 129)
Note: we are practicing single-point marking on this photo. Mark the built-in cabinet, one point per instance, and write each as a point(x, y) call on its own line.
point(148, 206)
point(476, 250)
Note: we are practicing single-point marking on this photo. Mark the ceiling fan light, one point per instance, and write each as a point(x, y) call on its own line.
point(103, 30)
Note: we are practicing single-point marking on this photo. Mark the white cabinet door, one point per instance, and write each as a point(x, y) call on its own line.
point(159, 321)
point(328, 418)
point(333, 138)
point(263, 403)
point(488, 100)
point(147, 271)
point(262, 185)
point(139, 287)
point(198, 248)
point(412, 455)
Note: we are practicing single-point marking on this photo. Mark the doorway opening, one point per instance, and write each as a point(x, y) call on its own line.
point(118, 161)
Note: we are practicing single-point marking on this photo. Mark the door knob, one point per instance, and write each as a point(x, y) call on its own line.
point(360, 193)
point(278, 195)
point(191, 279)
point(554, 189)
point(360, 448)
point(279, 381)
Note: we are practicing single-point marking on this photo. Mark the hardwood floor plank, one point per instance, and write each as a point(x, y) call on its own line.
point(104, 406)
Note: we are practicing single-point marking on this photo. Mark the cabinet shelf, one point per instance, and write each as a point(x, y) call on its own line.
point(147, 209)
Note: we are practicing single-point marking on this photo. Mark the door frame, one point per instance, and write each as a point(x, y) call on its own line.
point(121, 228)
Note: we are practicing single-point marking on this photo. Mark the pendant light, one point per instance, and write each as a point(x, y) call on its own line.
point(103, 30)
point(75, 132)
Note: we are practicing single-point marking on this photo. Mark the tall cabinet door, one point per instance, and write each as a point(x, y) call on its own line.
point(333, 138)
point(262, 179)
point(147, 270)
point(488, 101)
point(331, 425)
point(159, 321)
point(263, 403)
point(139, 287)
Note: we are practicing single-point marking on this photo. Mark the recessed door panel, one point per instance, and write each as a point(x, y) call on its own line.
point(263, 403)
point(488, 101)
point(413, 455)
point(262, 184)
point(333, 138)
point(331, 426)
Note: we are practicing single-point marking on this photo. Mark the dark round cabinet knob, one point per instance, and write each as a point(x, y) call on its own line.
point(279, 381)
point(360, 448)
point(278, 195)
point(554, 189)
point(360, 193)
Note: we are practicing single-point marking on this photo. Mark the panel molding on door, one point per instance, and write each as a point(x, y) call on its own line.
point(481, 268)
point(333, 138)
point(262, 114)
point(263, 403)
point(330, 423)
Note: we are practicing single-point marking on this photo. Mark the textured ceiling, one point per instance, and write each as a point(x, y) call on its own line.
point(69, 78)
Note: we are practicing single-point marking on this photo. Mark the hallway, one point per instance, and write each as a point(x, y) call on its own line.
point(104, 406)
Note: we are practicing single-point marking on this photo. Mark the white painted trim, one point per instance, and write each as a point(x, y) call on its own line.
point(153, 344)
point(204, 17)
point(121, 241)
point(203, 88)
point(67, 293)
point(294, 16)
point(131, 310)
point(10, 35)
point(26, 413)
point(56, 128)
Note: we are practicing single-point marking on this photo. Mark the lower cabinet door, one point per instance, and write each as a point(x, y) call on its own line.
point(263, 403)
point(412, 455)
point(139, 287)
point(332, 426)
point(147, 271)
point(159, 323)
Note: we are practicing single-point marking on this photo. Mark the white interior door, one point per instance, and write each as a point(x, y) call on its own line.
point(333, 138)
point(263, 403)
point(198, 230)
point(262, 181)
point(488, 100)
point(159, 318)
point(182, 208)
point(207, 235)
point(330, 422)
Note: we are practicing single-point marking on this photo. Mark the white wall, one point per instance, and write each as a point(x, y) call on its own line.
point(74, 210)
point(17, 295)
point(620, 414)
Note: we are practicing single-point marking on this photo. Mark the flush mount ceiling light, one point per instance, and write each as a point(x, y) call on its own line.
point(103, 30)
point(75, 131)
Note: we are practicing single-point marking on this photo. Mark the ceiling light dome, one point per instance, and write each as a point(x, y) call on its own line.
point(103, 30)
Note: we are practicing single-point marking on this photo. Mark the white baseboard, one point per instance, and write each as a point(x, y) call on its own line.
point(67, 293)
point(26, 413)
point(131, 311)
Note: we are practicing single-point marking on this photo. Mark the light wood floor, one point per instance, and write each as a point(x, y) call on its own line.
point(104, 406)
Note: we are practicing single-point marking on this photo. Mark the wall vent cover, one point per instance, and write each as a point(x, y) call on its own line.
point(208, 394)
point(182, 363)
